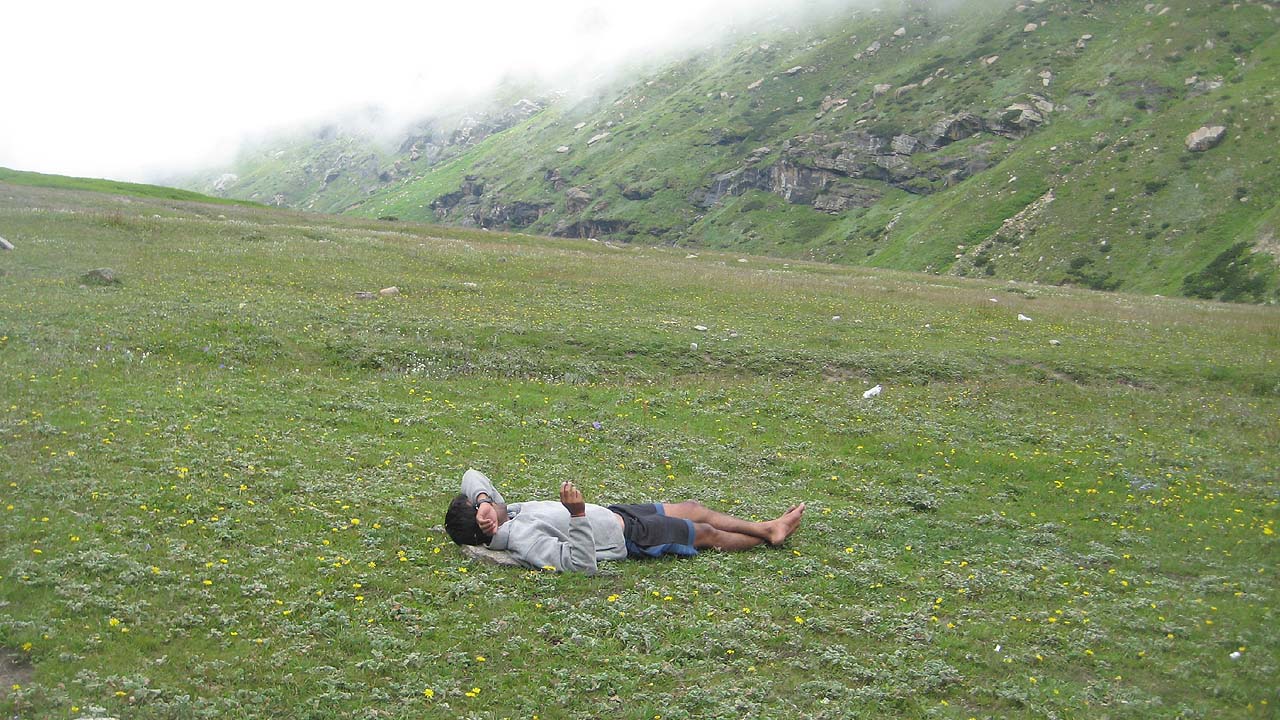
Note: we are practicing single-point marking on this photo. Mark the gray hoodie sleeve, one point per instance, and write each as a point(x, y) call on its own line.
point(474, 482)
point(537, 544)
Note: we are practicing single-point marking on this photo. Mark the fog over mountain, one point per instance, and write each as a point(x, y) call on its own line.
point(141, 90)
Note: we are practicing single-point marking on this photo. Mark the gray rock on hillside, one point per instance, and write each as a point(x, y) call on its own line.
point(224, 181)
point(5, 244)
point(904, 144)
point(1206, 138)
point(1199, 86)
point(1022, 116)
point(576, 199)
point(954, 127)
point(830, 104)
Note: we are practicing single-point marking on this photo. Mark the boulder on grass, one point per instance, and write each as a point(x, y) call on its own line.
point(1206, 138)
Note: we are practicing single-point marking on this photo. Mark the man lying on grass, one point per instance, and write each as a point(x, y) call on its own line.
point(572, 535)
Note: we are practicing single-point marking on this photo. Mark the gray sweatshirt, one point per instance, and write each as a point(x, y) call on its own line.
point(542, 534)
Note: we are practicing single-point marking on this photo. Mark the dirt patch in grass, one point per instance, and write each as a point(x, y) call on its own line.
point(838, 374)
point(14, 669)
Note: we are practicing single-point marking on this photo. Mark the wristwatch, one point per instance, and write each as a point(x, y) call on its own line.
point(481, 502)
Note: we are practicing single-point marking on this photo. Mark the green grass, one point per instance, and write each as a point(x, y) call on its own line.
point(224, 479)
point(31, 179)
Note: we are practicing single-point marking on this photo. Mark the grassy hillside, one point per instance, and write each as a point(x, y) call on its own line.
point(1114, 89)
point(225, 475)
point(32, 179)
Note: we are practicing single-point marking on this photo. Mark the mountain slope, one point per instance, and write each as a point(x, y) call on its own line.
point(64, 182)
point(1044, 142)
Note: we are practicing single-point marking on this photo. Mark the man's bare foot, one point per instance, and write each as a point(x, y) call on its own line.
point(786, 524)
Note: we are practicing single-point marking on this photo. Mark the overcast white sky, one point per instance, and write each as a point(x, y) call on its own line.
point(134, 90)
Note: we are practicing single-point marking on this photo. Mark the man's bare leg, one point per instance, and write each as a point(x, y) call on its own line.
point(773, 531)
point(706, 536)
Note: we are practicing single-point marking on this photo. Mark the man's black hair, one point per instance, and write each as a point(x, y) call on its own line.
point(460, 523)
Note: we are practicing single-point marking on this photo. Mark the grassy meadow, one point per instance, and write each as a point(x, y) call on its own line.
point(224, 479)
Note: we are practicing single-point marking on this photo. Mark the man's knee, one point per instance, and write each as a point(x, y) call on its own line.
point(706, 536)
point(689, 510)
point(692, 509)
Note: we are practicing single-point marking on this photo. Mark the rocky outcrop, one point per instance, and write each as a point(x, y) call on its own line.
point(734, 182)
point(834, 173)
point(469, 194)
point(904, 144)
point(1022, 118)
point(638, 191)
point(432, 143)
point(576, 200)
point(819, 171)
point(224, 181)
point(797, 184)
point(1206, 138)
point(840, 197)
point(830, 104)
point(1012, 232)
point(726, 135)
point(592, 228)
point(518, 214)
point(1197, 85)
point(470, 207)
point(953, 128)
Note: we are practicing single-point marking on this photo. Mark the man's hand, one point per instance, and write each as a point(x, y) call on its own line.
point(571, 498)
point(487, 518)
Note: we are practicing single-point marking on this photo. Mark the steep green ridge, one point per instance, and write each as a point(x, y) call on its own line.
point(296, 173)
point(1043, 142)
point(33, 179)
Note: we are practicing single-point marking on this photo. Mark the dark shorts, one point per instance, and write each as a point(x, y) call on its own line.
point(650, 532)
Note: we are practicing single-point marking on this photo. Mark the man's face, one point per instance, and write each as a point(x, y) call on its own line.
point(489, 516)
